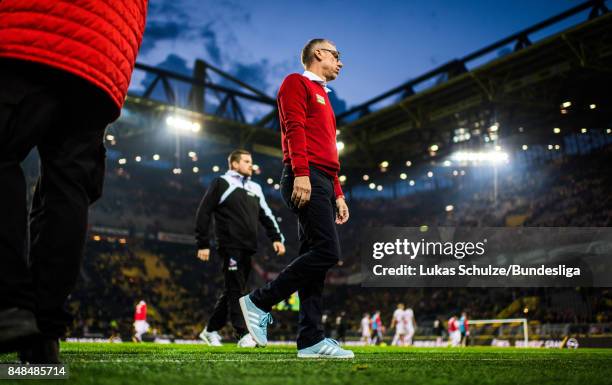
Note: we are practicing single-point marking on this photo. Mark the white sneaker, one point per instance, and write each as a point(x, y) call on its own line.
point(247, 342)
point(211, 338)
point(328, 348)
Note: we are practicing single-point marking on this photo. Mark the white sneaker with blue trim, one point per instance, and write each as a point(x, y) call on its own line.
point(256, 320)
point(328, 348)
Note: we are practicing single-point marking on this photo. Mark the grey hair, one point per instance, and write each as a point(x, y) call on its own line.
point(309, 48)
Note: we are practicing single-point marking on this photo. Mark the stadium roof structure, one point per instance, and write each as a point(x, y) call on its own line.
point(511, 84)
point(525, 88)
point(212, 98)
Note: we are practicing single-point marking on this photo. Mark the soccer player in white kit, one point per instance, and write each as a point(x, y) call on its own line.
point(398, 321)
point(410, 325)
point(405, 325)
point(366, 333)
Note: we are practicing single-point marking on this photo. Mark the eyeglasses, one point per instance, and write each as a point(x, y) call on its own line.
point(335, 54)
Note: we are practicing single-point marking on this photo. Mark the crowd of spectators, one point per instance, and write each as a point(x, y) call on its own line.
point(181, 290)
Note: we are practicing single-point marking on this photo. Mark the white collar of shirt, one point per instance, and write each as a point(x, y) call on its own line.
point(315, 78)
point(236, 174)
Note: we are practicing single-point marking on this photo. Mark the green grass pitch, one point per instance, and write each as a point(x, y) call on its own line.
point(140, 364)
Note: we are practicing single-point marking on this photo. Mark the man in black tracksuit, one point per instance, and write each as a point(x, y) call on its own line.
point(237, 204)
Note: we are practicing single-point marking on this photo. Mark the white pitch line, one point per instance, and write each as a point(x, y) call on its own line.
point(356, 360)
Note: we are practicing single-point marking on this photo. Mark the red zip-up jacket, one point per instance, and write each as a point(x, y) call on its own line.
point(94, 39)
point(308, 128)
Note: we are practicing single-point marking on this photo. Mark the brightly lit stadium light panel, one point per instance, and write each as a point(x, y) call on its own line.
point(484, 156)
point(183, 125)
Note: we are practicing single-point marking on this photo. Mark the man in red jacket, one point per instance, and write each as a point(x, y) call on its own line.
point(310, 187)
point(65, 67)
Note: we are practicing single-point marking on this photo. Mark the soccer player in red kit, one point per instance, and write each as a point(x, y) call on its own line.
point(140, 321)
point(454, 333)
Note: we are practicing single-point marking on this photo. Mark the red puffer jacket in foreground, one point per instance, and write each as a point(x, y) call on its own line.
point(97, 40)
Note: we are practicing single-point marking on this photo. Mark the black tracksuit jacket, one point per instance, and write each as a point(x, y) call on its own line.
point(237, 205)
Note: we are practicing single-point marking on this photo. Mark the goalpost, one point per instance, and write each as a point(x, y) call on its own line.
point(505, 321)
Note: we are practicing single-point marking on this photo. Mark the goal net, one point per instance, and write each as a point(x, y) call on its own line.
point(487, 331)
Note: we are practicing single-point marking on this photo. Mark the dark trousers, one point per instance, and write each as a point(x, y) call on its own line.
point(319, 251)
point(236, 270)
point(64, 117)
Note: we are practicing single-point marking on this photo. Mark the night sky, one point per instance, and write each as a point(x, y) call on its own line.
point(383, 43)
